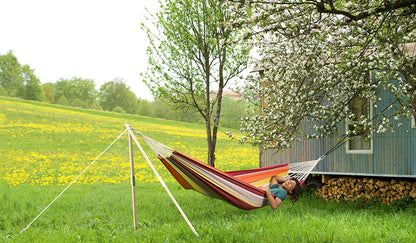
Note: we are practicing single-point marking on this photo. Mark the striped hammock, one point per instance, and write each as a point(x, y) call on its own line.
point(238, 188)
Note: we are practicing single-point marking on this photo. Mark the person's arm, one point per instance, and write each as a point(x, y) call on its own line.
point(274, 202)
point(277, 180)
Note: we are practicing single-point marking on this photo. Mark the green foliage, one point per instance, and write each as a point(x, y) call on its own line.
point(3, 91)
point(78, 92)
point(233, 111)
point(75, 90)
point(404, 203)
point(116, 93)
point(32, 89)
point(18, 80)
point(144, 108)
point(96, 106)
point(49, 91)
point(191, 53)
point(62, 101)
point(161, 110)
point(118, 109)
point(78, 103)
point(10, 74)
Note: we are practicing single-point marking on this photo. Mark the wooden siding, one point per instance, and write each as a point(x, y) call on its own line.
point(394, 154)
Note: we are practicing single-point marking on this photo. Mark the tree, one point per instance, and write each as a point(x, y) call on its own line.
point(144, 107)
point(75, 90)
point(116, 94)
point(233, 111)
point(62, 100)
point(118, 109)
point(49, 90)
point(159, 109)
point(10, 74)
point(191, 53)
point(32, 88)
point(19, 80)
point(320, 56)
point(3, 91)
point(96, 105)
point(78, 103)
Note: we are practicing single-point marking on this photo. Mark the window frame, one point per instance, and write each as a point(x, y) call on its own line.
point(360, 151)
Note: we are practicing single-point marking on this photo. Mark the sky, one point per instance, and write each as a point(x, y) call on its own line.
point(90, 39)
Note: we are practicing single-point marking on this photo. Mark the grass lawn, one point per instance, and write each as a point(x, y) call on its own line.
point(44, 147)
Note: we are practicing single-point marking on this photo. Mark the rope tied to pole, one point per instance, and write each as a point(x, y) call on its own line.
point(60, 194)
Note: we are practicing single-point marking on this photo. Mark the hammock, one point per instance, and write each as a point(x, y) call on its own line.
point(238, 188)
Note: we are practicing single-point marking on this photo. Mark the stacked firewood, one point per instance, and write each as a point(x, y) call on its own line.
point(347, 188)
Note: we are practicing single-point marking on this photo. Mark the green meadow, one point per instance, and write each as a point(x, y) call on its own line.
point(45, 147)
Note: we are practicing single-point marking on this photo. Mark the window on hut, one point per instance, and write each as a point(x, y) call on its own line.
point(360, 141)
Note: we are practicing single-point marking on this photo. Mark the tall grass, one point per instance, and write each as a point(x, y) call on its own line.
point(43, 147)
point(103, 213)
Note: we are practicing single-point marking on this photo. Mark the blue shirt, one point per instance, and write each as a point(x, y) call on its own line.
point(278, 192)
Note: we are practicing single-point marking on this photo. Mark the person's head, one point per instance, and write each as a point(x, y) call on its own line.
point(292, 186)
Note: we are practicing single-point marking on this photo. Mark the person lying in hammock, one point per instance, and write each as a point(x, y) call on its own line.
point(280, 188)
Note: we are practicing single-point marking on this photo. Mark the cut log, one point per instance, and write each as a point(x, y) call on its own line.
point(347, 188)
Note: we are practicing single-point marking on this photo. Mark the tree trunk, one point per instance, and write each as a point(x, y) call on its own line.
point(212, 141)
point(211, 153)
point(211, 144)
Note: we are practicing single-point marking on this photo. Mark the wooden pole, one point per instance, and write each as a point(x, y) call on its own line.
point(133, 181)
point(163, 183)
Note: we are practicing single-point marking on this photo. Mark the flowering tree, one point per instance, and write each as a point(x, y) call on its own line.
point(190, 53)
point(318, 56)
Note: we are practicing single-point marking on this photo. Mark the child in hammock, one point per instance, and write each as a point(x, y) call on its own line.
point(280, 188)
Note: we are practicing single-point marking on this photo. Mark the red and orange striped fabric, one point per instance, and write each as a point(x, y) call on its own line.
point(238, 188)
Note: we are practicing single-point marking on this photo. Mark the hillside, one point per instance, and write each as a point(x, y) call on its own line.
point(46, 144)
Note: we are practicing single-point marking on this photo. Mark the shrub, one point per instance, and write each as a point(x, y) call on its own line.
point(96, 106)
point(118, 109)
point(3, 91)
point(62, 101)
point(78, 103)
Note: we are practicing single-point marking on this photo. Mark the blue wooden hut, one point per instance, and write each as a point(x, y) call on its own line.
point(390, 154)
